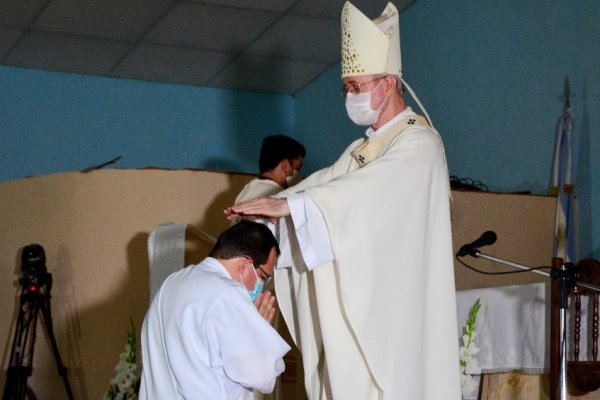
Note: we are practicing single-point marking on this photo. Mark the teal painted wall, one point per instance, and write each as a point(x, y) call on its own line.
point(54, 122)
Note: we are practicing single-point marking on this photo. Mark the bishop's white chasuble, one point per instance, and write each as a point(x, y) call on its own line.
point(379, 321)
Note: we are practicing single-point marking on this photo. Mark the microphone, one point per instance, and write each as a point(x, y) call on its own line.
point(486, 239)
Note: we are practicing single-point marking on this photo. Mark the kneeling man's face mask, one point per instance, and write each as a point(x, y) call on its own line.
point(258, 287)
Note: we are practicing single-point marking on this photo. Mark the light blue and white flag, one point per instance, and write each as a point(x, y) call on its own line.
point(563, 187)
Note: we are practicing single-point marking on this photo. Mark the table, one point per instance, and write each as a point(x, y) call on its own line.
point(513, 335)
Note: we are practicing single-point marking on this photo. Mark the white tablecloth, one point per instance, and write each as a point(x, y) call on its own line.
point(513, 327)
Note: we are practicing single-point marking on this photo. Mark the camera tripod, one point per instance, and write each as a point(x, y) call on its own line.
point(34, 303)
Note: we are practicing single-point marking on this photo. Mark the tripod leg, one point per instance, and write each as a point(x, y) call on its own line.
point(21, 358)
point(30, 394)
point(62, 370)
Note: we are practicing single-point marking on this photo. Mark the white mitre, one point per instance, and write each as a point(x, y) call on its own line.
point(370, 47)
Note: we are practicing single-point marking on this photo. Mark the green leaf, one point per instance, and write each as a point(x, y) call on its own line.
point(473, 315)
point(131, 341)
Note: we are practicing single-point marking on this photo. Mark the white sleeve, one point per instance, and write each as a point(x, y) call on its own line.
point(311, 230)
point(248, 349)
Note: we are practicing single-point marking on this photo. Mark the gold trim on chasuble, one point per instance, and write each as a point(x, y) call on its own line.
point(371, 149)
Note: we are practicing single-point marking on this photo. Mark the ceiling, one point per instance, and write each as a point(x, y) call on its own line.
point(274, 46)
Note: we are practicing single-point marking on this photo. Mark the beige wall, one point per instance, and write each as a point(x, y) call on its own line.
point(94, 229)
point(524, 225)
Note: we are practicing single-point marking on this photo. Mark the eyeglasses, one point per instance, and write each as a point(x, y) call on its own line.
point(267, 277)
point(354, 88)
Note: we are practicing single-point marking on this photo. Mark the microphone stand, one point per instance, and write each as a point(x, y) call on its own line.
point(564, 275)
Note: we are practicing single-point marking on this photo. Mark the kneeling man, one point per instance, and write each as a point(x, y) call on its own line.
point(207, 334)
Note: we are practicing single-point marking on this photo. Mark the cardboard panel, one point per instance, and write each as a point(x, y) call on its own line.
point(94, 229)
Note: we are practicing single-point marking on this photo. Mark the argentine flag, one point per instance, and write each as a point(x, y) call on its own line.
point(563, 187)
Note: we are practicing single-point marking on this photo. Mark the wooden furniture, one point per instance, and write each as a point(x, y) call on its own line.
point(584, 375)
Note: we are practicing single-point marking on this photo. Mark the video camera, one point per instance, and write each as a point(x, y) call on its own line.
point(33, 267)
point(34, 304)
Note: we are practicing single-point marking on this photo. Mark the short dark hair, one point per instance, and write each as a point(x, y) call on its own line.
point(246, 238)
point(277, 148)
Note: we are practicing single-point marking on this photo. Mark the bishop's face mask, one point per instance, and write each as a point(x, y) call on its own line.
point(359, 108)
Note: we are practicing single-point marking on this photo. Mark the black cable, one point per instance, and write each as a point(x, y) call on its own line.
point(467, 183)
point(99, 166)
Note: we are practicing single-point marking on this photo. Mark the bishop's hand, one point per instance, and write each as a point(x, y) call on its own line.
point(265, 207)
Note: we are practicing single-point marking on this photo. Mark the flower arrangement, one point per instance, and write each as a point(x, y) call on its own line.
point(468, 350)
point(126, 383)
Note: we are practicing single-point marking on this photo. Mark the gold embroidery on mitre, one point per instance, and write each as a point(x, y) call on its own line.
point(371, 149)
point(370, 47)
point(350, 63)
